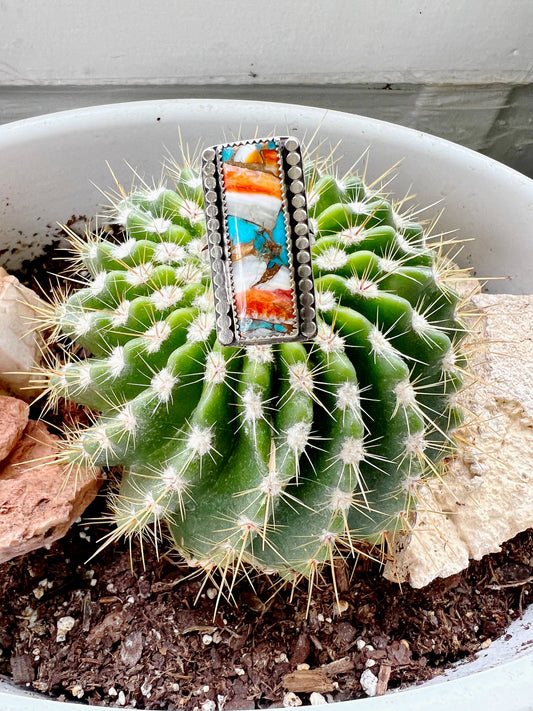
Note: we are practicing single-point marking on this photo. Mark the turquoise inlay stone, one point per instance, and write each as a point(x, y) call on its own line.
point(243, 232)
point(227, 153)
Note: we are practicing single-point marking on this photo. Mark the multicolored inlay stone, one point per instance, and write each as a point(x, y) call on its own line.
point(256, 226)
point(253, 225)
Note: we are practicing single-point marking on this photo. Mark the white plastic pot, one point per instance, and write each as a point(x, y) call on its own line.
point(47, 169)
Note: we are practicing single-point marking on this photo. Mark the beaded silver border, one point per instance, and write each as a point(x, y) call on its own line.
point(294, 205)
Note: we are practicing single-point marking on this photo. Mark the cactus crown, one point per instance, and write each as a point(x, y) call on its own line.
point(280, 457)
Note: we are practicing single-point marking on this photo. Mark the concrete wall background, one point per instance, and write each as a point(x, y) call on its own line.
point(56, 42)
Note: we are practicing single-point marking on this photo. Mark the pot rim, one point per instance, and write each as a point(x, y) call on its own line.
point(54, 122)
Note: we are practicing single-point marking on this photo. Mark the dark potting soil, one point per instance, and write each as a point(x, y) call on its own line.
point(145, 632)
point(151, 635)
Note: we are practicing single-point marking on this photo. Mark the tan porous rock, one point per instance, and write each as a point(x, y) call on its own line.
point(486, 494)
point(20, 346)
point(13, 420)
point(39, 500)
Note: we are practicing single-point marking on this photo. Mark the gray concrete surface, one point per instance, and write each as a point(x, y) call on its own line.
point(495, 119)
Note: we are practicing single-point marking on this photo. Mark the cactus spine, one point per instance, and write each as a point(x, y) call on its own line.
point(278, 457)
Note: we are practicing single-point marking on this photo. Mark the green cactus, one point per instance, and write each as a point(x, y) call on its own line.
point(279, 457)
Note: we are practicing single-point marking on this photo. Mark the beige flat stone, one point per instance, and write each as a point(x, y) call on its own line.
point(13, 420)
point(39, 498)
point(486, 495)
point(20, 351)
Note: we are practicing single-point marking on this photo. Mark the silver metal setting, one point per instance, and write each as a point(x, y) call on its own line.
point(299, 240)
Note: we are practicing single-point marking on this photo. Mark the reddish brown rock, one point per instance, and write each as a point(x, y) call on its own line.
point(13, 420)
point(38, 501)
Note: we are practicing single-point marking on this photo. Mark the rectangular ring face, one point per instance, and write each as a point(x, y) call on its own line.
point(258, 239)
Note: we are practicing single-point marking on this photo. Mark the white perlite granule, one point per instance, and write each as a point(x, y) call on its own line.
point(369, 682)
point(64, 625)
point(316, 699)
point(290, 700)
